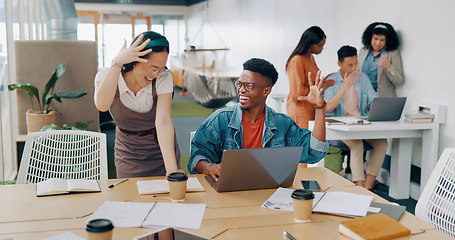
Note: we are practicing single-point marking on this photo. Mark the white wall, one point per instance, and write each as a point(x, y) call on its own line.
point(270, 29)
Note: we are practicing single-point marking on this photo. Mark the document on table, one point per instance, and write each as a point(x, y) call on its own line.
point(162, 186)
point(347, 120)
point(132, 214)
point(336, 203)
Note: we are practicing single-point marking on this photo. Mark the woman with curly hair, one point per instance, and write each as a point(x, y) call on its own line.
point(380, 60)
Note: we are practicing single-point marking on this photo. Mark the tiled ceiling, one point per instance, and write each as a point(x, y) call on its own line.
point(151, 2)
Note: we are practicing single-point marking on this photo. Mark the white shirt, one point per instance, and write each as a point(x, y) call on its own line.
point(143, 101)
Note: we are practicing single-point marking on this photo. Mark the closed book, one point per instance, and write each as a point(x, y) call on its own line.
point(418, 120)
point(414, 115)
point(374, 227)
point(391, 210)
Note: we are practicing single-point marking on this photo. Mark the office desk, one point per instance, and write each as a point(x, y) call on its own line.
point(402, 134)
point(231, 215)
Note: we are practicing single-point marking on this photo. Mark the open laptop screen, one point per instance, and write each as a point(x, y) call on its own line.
point(257, 168)
point(386, 109)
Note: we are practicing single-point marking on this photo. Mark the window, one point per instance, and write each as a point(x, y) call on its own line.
point(113, 29)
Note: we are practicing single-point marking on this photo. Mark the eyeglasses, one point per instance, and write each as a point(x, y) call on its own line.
point(154, 71)
point(247, 85)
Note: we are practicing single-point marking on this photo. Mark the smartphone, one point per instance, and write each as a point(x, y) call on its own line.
point(311, 185)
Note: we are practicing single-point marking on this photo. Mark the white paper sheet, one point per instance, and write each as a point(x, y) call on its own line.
point(351, 120)
point(337, 203)
point(176, 215)
point(280, 200)
point(343, 203)
point(123, 214)
point(131, 214)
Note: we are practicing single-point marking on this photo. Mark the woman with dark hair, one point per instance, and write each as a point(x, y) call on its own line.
point(299, 65)
point(380, 60)
point(137, 90)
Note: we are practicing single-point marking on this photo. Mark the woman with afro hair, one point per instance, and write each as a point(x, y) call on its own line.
point(380, 60)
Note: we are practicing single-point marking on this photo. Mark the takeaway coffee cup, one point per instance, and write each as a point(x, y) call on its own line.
point(99, 229)
point(177, 186)
point(302, 201)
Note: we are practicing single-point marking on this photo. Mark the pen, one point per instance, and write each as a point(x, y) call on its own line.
point(288, 235)
point(113, 185)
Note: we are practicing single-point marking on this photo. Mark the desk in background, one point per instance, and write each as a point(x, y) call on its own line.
point(402, 134)
point(230, 215)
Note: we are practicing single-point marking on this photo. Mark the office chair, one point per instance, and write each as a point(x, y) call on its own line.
point(66, 154)
point(210, 92)
point(436, 204)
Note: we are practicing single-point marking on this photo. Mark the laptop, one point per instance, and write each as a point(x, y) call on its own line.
point(386, 109)
point(257, 168)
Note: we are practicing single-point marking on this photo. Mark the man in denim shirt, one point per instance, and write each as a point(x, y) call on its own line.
point(352, 95)
point(251, 124)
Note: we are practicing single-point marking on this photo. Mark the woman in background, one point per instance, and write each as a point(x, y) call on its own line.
point(137, 90)
point(299, 65)
point(380, 60)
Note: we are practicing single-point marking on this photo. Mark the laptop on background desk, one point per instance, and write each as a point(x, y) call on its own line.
point(386, 109)
point(257, 168)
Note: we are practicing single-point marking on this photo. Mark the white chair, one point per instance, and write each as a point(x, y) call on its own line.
point(436, 204)
point(66, 154)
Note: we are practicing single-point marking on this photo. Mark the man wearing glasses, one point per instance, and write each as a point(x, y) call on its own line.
point(251, 124)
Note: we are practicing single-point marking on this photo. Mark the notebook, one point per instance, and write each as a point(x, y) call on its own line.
point(257, 168)
point(391, 210)
point(386, 109)
point(374, 227)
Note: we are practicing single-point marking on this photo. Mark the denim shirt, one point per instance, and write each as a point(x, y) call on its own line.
point(370, 68)
point(364, 90)
point(223, 131)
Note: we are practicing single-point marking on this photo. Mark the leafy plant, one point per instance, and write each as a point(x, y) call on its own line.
point(48, 93)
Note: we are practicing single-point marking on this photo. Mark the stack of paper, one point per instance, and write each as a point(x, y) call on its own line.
point(346, 120)
point(336, 203)
point(162, 186)
point(419, 117)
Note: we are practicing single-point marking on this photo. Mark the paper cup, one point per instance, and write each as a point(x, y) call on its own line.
point(99, 229)
point(302, 201)
point(177, 186)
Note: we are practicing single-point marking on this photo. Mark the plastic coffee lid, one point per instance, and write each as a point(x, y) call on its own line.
point(99, 225)
point(303, 194)
point(177, 177)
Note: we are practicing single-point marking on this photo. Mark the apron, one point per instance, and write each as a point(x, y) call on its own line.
point(137, 152)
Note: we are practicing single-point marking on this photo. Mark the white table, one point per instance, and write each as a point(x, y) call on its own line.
point(403, 135)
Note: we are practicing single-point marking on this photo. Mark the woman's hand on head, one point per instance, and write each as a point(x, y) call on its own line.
point(133, 52)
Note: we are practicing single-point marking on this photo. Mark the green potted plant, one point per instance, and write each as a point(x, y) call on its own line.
point(36, 119)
